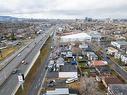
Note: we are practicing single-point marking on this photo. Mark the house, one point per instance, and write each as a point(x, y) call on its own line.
point(91, 56)
point(119, 44)
point(112, 51)
point(124, 58)
point(96, 36)
point(68, 71)
point(117, 89)
point(107, 80)
point(58, 91)
point(117, 55)
point(97, 63)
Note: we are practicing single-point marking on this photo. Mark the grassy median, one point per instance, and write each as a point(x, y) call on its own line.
point(7, 52)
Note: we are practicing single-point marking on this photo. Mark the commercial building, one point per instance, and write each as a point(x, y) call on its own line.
point(75, 37)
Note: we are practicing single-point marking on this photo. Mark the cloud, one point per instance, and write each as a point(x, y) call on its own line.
point(64, 8)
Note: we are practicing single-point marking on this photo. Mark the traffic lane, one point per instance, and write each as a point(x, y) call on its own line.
point(38, 79)
point(11, 81)
point(8, 89)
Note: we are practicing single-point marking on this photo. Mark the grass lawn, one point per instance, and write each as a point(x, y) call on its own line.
point(7, 52)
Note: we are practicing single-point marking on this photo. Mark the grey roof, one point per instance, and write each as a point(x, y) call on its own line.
point(121, 42)
point(118, 89)
point(69, 68)
point(95, 34)
point(58, 91)
point(92, 54)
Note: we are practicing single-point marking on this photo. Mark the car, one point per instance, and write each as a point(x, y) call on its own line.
point(15, 71)
point(24, 62)
point(19, 54)
point(70, 80)
point(51, 83)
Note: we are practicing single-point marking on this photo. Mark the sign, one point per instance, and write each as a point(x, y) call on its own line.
point(20, 78)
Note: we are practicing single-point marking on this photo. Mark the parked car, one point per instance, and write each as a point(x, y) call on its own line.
point(19, 54)
point(70, 80)
point(24, 62)
point(15, 71)
point(51, 83)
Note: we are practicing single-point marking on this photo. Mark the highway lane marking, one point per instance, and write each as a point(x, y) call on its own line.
point(42, 82)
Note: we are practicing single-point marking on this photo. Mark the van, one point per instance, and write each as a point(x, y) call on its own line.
point(70, 80)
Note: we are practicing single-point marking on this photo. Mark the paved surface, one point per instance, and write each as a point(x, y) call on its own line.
point(38, 80)
point(11, 84)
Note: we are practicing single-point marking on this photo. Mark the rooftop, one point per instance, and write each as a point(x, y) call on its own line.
point(121, 42)
point(118, 89)
point(58, 91)
point(68, 67)
point(98, 63)
point(92, 54)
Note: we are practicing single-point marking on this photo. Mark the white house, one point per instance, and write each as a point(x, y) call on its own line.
point(91, 56)
point(112, 51)
point(119, 44)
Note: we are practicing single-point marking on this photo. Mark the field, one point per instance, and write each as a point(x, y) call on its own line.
point(7, 52)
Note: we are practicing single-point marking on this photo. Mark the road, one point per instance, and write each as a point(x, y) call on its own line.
point(11, 84)
point(36, 85)
point(40, 77)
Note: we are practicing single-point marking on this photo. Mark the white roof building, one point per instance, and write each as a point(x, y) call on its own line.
point(76, 37)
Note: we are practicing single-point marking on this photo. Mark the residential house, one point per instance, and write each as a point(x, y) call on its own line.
point(91, 56)
point(97, 63)
point(119, 44)
point(68, 71)
point(59, 91)
point(112, 51)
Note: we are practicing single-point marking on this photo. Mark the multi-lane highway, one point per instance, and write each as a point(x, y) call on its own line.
point(10, 86)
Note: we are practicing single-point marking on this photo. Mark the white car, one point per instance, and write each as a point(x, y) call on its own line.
point(19, 54)
point(70, 80)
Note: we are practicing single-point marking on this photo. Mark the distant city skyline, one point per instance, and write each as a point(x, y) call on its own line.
point(64, 9)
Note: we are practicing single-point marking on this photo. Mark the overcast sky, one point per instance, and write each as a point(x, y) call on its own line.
point(64, 8)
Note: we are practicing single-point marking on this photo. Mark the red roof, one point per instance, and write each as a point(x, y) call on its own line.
point(98, 63)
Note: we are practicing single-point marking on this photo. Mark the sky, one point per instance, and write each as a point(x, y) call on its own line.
point(64, 9)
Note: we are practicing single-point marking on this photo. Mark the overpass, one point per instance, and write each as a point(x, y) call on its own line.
point(9, 82)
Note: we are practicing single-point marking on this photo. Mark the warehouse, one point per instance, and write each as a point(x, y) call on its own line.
point(76, 37)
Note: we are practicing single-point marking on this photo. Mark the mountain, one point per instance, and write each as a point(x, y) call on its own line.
point(7, 18)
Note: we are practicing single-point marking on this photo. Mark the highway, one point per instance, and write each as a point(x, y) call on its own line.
point(10, 86)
